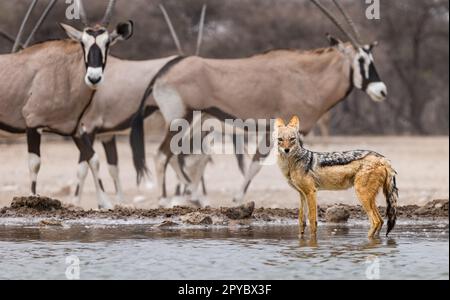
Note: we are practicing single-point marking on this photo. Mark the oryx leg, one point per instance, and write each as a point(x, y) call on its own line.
point(240, 155)
point(255, 167)
point(88, 154)
point(34, 156)
point(204, 190)
point(163, 158)
point(83, 168)
point(195, 166)
point(112, 158)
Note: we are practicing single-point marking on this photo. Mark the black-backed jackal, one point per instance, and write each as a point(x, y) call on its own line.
point(307, 172)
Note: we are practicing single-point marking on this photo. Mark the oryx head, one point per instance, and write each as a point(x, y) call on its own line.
point(365, 75)
point(96, 41)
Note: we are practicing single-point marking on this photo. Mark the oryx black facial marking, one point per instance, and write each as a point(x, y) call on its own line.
point(365, 75)
point(95, 42)
point(367, 70)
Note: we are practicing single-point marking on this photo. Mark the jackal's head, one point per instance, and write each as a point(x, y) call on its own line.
point(287, 136)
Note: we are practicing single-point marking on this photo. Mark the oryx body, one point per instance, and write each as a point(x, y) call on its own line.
point(113, 107)
point(43, 87)
point(278, 83)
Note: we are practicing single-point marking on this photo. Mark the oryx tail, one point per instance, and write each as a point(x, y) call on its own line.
point(137, 138)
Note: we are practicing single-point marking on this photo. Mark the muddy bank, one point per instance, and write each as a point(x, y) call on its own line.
point(46, 208)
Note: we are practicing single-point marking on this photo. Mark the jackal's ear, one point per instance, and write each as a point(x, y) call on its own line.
point(294, 122)
point(279, 123)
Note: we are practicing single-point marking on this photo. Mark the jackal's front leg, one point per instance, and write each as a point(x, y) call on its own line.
point(311, 199)
point(301, 215)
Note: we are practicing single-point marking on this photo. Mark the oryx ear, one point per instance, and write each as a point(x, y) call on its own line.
point(294, 123)
point(71, 32)
point(279, 123)
point(123, 31)
point(333, 41)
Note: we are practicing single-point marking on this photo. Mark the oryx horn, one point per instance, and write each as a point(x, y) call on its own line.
point(201, 26)
point(108, 13)
point(336, 22)
point(82, 12)
point(39, 23)
point(172, 30)
point(349, 21)
point(18, 39)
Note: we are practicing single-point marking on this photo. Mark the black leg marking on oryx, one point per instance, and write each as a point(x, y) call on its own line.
point(82, 159)
point(34, 152)
point(84, 144)
point(182, 164)
point(178, 190)
point(110, 148)
point(88, 154)
point(205, 192)
point(112, 157)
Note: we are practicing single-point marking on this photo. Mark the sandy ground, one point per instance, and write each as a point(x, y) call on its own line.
point(422, 164)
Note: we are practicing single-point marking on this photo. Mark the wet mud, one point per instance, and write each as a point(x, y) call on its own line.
point(52, 213)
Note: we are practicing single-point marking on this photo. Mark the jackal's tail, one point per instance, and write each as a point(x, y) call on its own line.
point(391, 193)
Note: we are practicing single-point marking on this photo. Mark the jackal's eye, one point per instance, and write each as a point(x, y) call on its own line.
point(292, 139)
point(280, 140)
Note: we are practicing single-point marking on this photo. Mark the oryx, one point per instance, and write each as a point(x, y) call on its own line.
point(48, 86)
point(116, 102)
point(277, 83)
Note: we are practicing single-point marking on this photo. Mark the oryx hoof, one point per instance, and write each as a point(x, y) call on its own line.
point(149, 185)
point(120, 199)
point(238, 200)
point(105, 204)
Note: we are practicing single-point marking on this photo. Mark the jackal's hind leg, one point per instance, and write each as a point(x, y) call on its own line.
point(367, 186)
point(380, 221)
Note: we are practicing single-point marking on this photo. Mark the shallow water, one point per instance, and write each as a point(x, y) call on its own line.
point(415, 251)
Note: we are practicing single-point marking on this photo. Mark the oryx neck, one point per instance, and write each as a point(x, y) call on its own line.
point(329, 71)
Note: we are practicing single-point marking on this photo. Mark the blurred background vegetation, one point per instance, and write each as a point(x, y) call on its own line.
point(413, 56)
